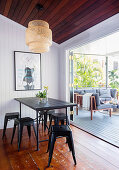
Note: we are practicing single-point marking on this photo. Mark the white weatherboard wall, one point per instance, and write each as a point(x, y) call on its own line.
point(12, 38)
point(100, 30)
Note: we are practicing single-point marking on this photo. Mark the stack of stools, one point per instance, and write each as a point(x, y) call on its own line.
point(43, 115)
point(26, 121)
point(57, 117)
point(8, 117)
point(60, 131)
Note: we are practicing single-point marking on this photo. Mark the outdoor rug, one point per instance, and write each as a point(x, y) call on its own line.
point(102, 126)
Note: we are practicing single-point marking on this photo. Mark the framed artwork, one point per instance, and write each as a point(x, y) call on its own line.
point(27, 71)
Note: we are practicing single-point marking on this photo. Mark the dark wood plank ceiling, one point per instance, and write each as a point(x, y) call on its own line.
point(67, 18)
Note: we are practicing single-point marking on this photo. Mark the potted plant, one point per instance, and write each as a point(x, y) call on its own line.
point(42, 95)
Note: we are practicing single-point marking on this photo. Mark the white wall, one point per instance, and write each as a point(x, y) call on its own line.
point(98, 31)
point(12, 38)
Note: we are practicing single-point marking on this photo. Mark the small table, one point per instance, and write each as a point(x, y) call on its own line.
point(33, 102)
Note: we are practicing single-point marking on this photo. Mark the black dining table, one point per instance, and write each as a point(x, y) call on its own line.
point(33, 103)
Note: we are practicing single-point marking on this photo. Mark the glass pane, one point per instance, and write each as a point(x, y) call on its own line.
point(89, 71)
point(113, 71)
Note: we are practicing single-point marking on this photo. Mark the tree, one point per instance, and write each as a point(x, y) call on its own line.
point(114, 79)
point(87, 72)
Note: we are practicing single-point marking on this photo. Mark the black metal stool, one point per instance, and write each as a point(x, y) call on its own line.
point(26, 121)
point(43, 115)
point(57, 131)
point(57, 117)
point(8, 117)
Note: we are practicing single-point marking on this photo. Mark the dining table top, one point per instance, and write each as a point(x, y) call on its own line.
point(33, 102)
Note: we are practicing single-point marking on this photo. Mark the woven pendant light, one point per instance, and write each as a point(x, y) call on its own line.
point(38, 35)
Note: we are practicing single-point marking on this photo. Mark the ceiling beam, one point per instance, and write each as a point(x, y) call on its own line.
point(7, 7)
point(27, 13)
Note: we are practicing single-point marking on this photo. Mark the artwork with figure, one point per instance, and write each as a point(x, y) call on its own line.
point(27, 71)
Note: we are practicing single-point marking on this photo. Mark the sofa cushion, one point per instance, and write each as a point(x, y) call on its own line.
point(97, 98)
point(105, 106)
point(82, 92)
point(101, 101)
point(79, 92)
point(90, 90)
point(97, 90)
point(76, 91)
point(105, 98)
point(113, 92)
point(105, 93)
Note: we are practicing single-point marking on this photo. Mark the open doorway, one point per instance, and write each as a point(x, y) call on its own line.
point(94, 71)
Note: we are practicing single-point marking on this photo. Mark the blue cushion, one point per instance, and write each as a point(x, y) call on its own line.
point(79, 92)
point(90, 90)
point(82, 92)
point(113, 92)
point(105, 98)
point(97, 90)
point(105, 93)
point(76, 91)
point(105, 106)
point(97, 99)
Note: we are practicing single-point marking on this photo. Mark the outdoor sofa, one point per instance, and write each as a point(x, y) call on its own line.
point(99, 100)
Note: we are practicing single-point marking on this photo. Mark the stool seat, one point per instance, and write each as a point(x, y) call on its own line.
point(12, 115)
point(60, 128)
point(57, 117)
point(26, 121)
point(9, 116)
point(57, 131)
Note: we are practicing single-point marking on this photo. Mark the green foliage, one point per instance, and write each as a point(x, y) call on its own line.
point(87, 72)
point(41, 94)
point(114, 79)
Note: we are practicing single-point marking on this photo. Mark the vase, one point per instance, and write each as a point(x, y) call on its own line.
point(42, 100)
point(46, 96)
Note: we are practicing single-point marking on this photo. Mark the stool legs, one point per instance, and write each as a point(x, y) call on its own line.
point(49, 143)
point(20, 130)
point(62, 122)
point(52, 138)
point(56, 121)
point(45, 120)
point(20, 136)
point(50, 124)
point(29, 131)
point(34, 129)
point(69, 143)
point(72, 147)
point(52, 142)
point(5, 125)
point(14, 129)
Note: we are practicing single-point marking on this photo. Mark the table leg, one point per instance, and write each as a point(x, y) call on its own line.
point(37, 123)
point(19, 129)
point(20, 111)
point(45, 120)
point(77, 104)
point(66, 117)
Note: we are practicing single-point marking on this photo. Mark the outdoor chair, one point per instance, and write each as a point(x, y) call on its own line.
point(97, 105)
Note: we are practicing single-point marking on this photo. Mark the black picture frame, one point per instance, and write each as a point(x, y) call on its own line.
point(27, 71)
